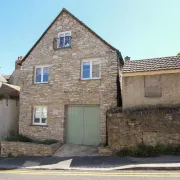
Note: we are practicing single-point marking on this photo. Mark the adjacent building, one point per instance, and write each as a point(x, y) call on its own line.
point(9, 108)
point(151, 82)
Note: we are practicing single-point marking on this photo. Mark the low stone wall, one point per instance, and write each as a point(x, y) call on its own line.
point(149, 126)
point(27, 149)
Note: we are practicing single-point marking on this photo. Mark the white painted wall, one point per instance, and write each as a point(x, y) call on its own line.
point(9, 116)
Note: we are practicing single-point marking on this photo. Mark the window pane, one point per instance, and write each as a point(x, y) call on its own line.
point(86, 65)
point(44, 120)
point(45, 74)
point(95, 69)
point(36, 120)
point(61, 35)
point(37, 112)
point(86, 74)
point(38, 74)
point(44, 114)
point(37, 115)
point(86, 69)
point(61, 42)
point(67, 34)
point(67, 41)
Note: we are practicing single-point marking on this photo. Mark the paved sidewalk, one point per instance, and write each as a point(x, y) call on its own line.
point(90, 163)
point(71, 150)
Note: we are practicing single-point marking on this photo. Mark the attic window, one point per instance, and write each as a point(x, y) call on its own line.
point(64, 39)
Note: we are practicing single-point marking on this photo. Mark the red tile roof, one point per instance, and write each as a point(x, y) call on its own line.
point(6, 77)
point(154, 64)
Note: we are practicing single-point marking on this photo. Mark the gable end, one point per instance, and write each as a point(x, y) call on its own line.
point(89, 29)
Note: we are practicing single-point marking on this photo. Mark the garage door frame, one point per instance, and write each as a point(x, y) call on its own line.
point(95, 111)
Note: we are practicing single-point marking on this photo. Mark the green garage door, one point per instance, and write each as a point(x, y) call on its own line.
point(83, 125)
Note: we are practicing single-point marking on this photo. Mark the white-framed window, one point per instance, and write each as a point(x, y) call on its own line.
point(64, 39)
point(40, 115)
point(90, 69)
point(41, 74)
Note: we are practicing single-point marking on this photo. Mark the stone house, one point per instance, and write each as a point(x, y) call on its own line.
point(9, 108)
point(68, 79)
point(151, 82)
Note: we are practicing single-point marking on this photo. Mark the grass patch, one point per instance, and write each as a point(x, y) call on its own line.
point(22, 138)
point(143, 150)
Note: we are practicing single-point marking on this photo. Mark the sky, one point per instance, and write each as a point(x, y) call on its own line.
point(138, 28)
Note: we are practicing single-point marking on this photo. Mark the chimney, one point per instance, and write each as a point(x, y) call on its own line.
point(17, 63)
point(127, 58)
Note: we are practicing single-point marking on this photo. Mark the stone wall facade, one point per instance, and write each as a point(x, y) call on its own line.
point(15, 77)
point(163, 90)
point(65, 86)
point(9, 116)
point(27, 149)
point(149, 126)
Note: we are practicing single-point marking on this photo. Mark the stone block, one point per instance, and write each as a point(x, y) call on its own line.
point(27, 149)
point(151, 130)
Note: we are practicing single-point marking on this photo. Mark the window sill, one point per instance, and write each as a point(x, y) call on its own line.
point(41, 83)
point(41, 125)
point(90, 79)
point(69, 47)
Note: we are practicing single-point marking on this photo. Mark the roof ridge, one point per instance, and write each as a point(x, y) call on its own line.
point(153, 58)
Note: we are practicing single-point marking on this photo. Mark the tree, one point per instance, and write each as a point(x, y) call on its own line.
point(178, 54)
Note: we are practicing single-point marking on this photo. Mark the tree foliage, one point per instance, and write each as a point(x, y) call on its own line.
point(178, 54)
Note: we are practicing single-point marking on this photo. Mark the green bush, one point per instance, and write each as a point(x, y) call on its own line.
point(125, 152)
point(176, 151)
point(48, 141)
point(160, 148)
point(19, 137)
point(143, 150)
point(22, 138)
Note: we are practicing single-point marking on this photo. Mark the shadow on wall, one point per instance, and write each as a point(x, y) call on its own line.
point(119, 95)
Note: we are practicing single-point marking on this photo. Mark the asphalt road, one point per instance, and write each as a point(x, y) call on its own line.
point(74, 175)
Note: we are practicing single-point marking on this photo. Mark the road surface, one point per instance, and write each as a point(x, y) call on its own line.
point(75, 175)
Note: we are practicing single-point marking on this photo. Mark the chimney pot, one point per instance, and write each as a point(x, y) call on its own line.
point(17, 66)
point(127, 58)
point(19, 58)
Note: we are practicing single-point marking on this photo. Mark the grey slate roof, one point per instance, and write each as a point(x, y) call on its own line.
point(154, 64)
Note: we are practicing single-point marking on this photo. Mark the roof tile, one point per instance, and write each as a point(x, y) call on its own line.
point(154, 64)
